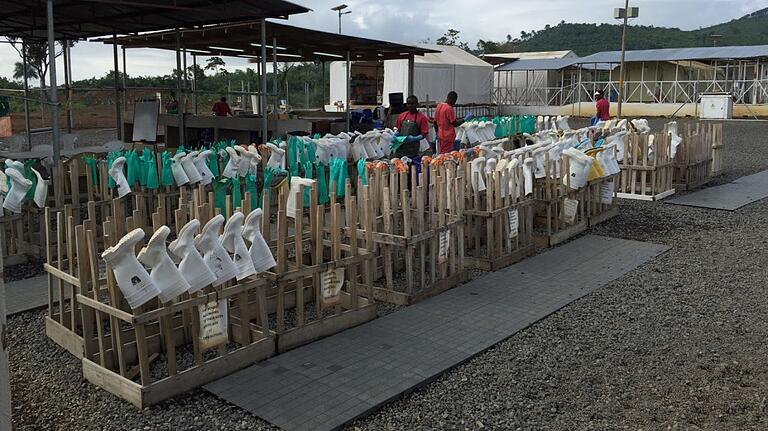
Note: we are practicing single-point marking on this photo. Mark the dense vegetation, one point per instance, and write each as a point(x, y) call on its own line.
point(586, 39)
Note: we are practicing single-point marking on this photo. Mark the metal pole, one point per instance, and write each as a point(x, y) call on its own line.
point(125, 89)
point(53, 95)
point(68, 66)
point(349, 89)
point(194, 81)
point(411, 74)
point(26, 93)
point(339, 21)
point(179, 98)
point(623, 51)
point(264, 124)
point(67, 95)
point(275, 85)
point(118, 108)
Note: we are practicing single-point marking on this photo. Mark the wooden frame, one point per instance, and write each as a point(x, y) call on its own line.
point(491, 244)
point(551, 195)
point(645, 179)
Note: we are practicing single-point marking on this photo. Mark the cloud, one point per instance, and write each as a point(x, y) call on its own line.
point(410, 21)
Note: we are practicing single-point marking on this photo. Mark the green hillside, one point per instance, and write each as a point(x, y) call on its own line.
point(586, 39)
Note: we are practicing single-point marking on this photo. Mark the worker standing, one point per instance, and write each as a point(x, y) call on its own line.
point(412, 127)
point(446, 123)
point(221, 108)
point(603, 106)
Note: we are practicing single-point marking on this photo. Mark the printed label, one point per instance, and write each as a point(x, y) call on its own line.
point(570, 206)
point(331, 283)
point(606, 192)
point(514, 222)
point(213, 324)
point(445, 243)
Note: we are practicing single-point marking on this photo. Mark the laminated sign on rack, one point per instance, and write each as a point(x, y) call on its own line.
point(445, 242)
point(213, 324)
point(514, 222)
point(606, 192)
point(570, 206)
point(332, 281)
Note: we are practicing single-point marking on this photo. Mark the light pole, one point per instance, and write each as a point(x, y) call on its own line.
point(339, 9)
point(623, 13)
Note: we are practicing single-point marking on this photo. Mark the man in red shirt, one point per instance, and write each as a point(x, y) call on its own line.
point(445, 119)
point(603, 106)
point(221, 108)
point(414, 125)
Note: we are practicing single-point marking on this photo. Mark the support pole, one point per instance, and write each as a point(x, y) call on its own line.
point(125, 88)
point(179, 98)
point(349, 89)
point(118, 108)
point(53, 96)
point(411, 74)
point(622, 75)
point(194, 81)
point(26, 93)
point(275, 85)
point(67, 90)
point(264, 123)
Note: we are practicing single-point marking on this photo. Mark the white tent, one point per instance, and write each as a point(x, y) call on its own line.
point(434, 76)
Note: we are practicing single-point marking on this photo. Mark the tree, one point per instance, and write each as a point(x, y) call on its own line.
point(37, 57)
point(214, 64)
point(452, 38)
point(18, 71)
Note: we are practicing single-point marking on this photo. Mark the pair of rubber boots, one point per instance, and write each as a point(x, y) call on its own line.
point(20, 186)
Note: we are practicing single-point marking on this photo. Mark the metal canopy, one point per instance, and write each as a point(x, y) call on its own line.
point(679, 54)
point(550, 64)
point(79, 19)
point(294, 44)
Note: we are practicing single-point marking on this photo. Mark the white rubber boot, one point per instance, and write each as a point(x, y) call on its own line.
point(528, 174)
point(233, 242)
point(562, 123)
point(675, 139)
point(214, 254)
point(641, 125)
point(619, 139)
point(164, 273)
point(477, 170)
point(230, 170)
point(539, 123)
point(41, 190)
point(293, 194)
point(276, 157)
point(201, 164)
point(260, 253)
point(579, 165)
point(490, 166)
point(179, 175)
point(244, 164)
point(609, 159)
point(134, 281)
point(116, 172)
point(19, 188)
point(192, 266)
point(188, 164)
point(539, 159)
point(14, 164)
point(254, 150)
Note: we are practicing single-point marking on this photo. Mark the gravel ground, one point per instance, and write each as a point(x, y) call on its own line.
point(678, 343)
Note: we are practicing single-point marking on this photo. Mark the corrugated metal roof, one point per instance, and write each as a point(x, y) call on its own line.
point(448, 55)
point(674, 54)
point(550, 64)
point(532, 55)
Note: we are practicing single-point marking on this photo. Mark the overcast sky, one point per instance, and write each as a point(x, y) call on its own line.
point(411, 21)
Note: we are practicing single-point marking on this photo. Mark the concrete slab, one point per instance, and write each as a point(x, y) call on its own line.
point(28, 294)
point(728, 197)
point(329, 383)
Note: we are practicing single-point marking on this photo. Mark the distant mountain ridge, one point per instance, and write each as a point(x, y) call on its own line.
point(586, 39)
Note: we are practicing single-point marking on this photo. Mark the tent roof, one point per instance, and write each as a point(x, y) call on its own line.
point(80, 19)
point(294, 44)
point(677, 54)
point(446, 54)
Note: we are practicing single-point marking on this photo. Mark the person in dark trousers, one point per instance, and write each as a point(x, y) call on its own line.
point(221, 108)
point(414, 126)
point(172, 105)
point(603, 106)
